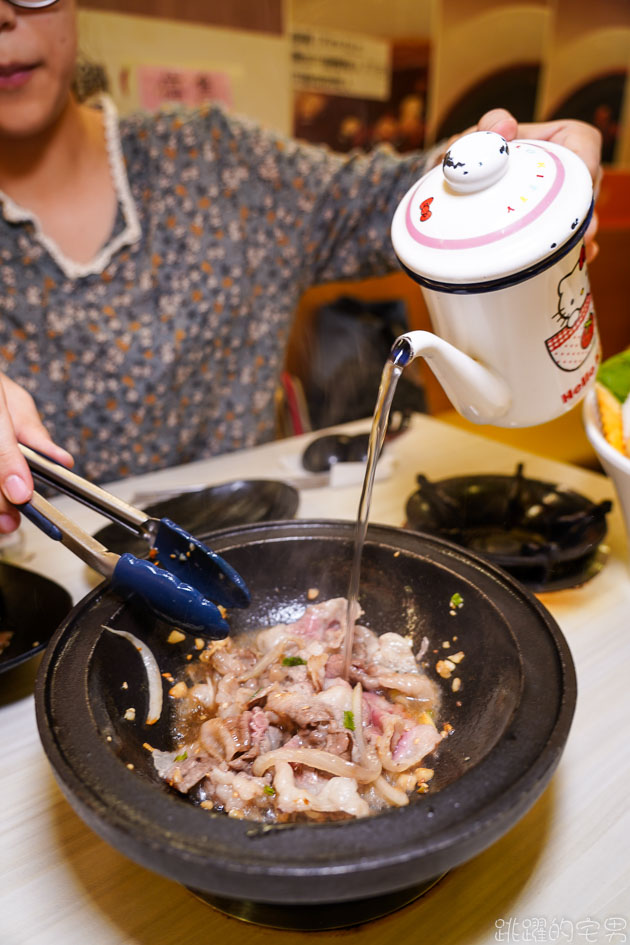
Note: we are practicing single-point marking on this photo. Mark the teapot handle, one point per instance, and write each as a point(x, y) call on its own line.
point(475, 391)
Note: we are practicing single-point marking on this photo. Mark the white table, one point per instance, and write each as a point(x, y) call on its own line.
point(562, 874)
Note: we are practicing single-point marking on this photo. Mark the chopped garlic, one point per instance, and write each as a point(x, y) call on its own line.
point(444, 668)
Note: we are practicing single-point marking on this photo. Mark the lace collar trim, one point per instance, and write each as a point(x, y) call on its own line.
point(131, 232)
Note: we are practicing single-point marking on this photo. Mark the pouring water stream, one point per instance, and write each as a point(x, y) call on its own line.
point(400, 355)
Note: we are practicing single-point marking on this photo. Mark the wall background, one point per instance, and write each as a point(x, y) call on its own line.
point(536, 54)
point(124, 42)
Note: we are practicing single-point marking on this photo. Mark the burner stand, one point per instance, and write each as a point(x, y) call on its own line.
point(320, 917)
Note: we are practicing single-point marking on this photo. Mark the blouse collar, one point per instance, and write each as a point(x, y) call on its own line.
point(130, 233)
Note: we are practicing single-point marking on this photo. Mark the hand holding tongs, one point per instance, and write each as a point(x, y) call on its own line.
point(181, 580)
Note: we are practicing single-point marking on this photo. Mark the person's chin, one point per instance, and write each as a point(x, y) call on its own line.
point(26, 115)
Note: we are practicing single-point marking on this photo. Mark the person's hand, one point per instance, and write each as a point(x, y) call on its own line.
point(585, 140)
point(20, 421)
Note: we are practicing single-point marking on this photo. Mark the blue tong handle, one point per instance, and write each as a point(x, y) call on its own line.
point(178, 551)
point(44, 524)
point(170, 598)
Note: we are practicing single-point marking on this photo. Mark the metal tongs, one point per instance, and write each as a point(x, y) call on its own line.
point(183, 580)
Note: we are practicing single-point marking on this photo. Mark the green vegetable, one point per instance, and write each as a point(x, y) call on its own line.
point(456, 600)
point(348, 720)
point(269, 790)
point(293, 661)
point(181, 757)
point(614, 374)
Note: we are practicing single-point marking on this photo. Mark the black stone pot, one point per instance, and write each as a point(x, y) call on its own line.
point(510, 720)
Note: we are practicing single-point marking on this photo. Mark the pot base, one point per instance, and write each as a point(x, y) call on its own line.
point(321, 917)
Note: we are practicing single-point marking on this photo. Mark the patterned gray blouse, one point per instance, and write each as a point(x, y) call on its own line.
point(167, 347)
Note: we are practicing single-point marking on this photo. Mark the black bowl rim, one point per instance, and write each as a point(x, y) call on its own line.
point(286, 500)
point(287, 497)
point(380, 854)
point(37, 604)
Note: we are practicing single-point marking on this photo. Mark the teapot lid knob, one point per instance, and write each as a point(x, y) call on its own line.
point(476, 161)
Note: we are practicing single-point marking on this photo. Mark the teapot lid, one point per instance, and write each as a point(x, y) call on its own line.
point(492, 210)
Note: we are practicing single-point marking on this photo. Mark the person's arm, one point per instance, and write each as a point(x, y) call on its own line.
point(20, 421)
point(348, 233)
point(311, 214)
point(330, 214)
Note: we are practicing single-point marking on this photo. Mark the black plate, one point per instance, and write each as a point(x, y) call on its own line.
point(31, 608)
point(511, 719)
point(545, 535)
point(230, 503)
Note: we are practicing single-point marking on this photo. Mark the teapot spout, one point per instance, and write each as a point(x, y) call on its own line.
point(475, 391)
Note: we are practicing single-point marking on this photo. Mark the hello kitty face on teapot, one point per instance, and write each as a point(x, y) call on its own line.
point(573, 291)
point(571, 345)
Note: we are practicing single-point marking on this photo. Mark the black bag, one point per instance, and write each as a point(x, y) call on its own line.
point(349, 345)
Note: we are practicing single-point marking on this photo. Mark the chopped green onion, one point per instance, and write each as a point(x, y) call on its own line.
point(456, 600)
point(268, 789)
point(293, 661)
point(348, 720)
point(181, 757)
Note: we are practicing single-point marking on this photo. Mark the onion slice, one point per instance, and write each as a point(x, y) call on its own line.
point(315, 758)
point(263, 663)
point(389, 793)
point(367, 759)
point(153, 674)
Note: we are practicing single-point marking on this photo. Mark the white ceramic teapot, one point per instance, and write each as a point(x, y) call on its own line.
point(495, 238)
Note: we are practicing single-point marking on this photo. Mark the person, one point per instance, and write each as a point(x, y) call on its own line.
point(150, 266)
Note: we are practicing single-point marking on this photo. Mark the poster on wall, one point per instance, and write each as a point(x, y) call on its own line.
point(351, 91)
point(159, 85)
point(155, 85)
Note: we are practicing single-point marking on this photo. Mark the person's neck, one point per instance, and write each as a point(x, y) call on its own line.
point(63, 178)
point(57, 153)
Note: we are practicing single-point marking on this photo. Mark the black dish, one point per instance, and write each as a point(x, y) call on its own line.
point(230, 503)
point(545, 535)
point(511, 720)
point(31, 609)
point(325, 451)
